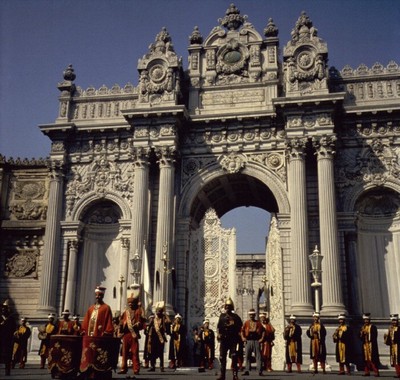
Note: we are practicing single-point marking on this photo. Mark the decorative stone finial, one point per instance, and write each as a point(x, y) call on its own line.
point(67, 84)
point(271, 30)
point(69, 74)
point(163, 42)
point(196, 38)
point(304, 28)
point(232, 20)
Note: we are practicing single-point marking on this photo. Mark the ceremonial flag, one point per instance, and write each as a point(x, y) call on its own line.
point(146, 283)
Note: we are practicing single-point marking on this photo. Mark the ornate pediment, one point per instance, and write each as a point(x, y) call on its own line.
point(160, 71)
point(305, 60)
point(234, 53)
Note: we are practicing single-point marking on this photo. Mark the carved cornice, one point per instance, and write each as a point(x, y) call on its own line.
point(364, 71)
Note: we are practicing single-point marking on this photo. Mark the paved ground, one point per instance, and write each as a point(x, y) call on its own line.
point(32, 372)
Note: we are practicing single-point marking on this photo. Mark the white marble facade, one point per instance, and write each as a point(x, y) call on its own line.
point(137, 169)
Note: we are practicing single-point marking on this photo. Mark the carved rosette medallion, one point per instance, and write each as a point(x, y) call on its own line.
point(274, 161)
point(210, 267)
point(22, 264)
point(232, 58)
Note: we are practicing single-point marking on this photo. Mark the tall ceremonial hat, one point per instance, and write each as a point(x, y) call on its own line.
point(178, 316)
point(229, 302)
point(134, 292)
point(394, 317)
point(66, 312)
point(100, 289)
point(341, 316)
point(366, 316)
point(160, 305)
point(292, 317)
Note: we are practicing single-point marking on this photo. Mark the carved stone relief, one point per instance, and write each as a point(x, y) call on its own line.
point(22, 257)
point(100, 176)
point(211, 266)
point(274, 292)
point(23, 263)
point(232, 162)
point(305, 59)
point(28, 199)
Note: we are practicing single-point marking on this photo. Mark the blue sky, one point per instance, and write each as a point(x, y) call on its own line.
point(103, 39)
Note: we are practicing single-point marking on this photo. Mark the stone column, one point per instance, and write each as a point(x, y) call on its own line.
point(124, 271)
point(49, 275)
point(355, 306)
point(332, 297)
point(140, 207)
point(70, 290)
point(165, 227)
point(301, 292)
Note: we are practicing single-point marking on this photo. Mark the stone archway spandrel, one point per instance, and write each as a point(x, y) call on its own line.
point(354, 193)
point(91, 197)
point(252, 168)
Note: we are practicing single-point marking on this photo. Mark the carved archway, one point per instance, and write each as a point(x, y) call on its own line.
point(100, 251)
point(377, 253)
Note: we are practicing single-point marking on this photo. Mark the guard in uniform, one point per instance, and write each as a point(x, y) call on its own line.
point(343, 341)
point(392, 339)
point(228, 334)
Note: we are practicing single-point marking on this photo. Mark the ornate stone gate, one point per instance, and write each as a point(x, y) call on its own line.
point(139, 166)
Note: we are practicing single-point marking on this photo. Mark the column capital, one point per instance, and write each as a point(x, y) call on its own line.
point(141, 156)
point(295, 148)
point(56, 169)
point(125, 243)
point(166, 155)
point(325, 146)
point(73, 244)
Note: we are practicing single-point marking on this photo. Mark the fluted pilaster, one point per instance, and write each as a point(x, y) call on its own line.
point(140, 204)
point(72, 274)
point(301, 294)
point(124, 272)
point(48, 279)
point(165, 223)
point(332, 297)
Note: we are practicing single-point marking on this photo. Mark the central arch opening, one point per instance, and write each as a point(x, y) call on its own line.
point(231, 215)
point(251, 224)
point(228, 192)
